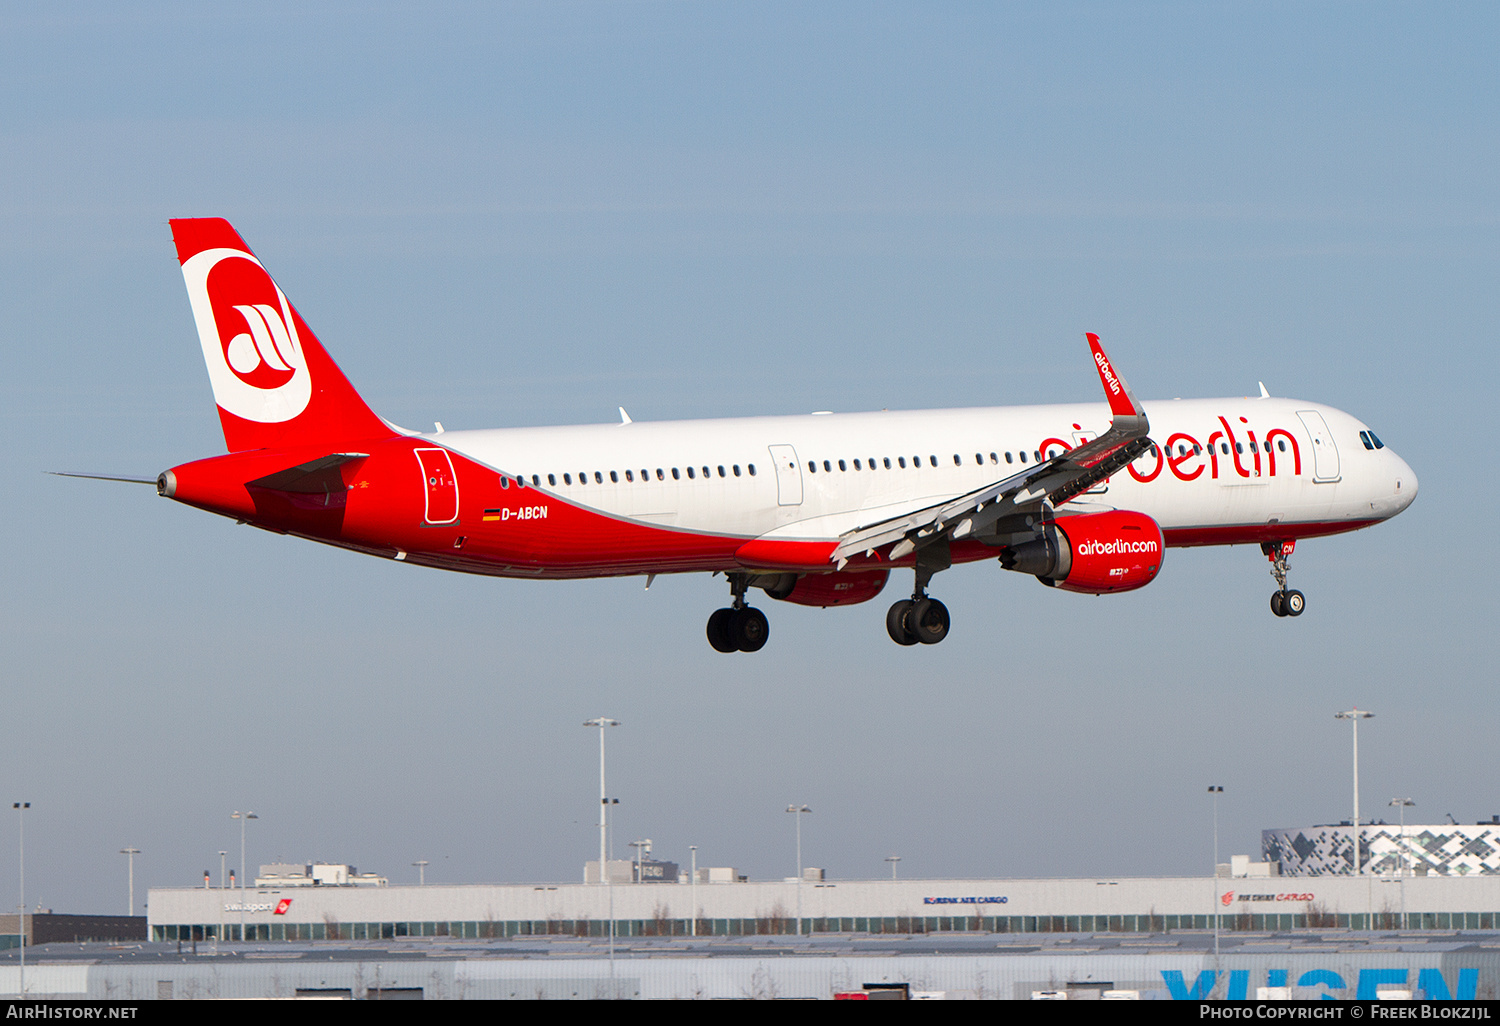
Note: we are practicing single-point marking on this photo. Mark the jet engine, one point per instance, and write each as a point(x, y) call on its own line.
point(845, 588)
point(1093, 553)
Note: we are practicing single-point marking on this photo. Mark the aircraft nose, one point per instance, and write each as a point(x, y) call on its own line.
point(1406, 483)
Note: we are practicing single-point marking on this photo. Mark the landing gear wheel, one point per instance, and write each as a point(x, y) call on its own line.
point(896, 623)
point(748, 629)
point(718, 631)
point(1278, 603)
point(1295, 603)
point(928, 620)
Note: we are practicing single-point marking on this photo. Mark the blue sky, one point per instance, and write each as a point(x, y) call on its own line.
point(515, 214)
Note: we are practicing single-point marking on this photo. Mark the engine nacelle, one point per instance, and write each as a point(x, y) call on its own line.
point(1094, 553)
point(845, 588)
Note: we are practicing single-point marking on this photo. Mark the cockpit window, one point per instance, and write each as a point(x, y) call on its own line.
point(1376, 439)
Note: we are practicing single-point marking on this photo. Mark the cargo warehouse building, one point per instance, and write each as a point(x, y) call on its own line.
point(289, 912)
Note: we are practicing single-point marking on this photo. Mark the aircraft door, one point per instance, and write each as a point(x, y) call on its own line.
point(788, 475)
point(440, 485)
point(1325, 453)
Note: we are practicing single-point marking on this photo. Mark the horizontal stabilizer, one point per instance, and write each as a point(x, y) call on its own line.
point(316, 477)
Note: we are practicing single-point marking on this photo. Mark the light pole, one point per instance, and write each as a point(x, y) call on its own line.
point(1402, 804)
point(893, 859)
point(601, 722)
point(421, 865)
point(242, 817)
point(798, 811)
point(21, 808)
point(642, 849)
point(220, 902)
point(130, 854)
point(693, 884)
point(1354, 716)
point(1216, 790)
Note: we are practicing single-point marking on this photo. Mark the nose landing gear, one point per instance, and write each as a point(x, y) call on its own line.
point(1284, 602)
point(740, 628)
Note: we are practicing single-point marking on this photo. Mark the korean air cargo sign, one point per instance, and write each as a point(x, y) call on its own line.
point(1000, 900)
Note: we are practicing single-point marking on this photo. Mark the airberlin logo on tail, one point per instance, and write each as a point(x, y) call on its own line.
point(249, 337)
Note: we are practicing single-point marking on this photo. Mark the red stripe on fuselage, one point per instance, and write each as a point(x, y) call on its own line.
point(1247, 534)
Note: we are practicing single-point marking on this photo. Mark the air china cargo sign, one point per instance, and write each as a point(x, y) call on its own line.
point(1001, 900)
point(277, 909)
point(1229, 897)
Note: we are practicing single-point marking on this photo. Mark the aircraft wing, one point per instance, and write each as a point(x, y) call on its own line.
point(1053, 481)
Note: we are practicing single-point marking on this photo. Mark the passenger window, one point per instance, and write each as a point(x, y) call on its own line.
point(736, 470)
point(536, 480)
point(1224, 448)
point(614, 477)
point(994, 457)
point(751, 468)
point(1023, 457)
point(828, 466)
point(504, 481)
point(812, 466)
point(1281, 444)
point(690, 473)
point(887, 462)
point(721, 470)
point(659, 475)
point(552, 480)
point(841, 466)
point(1008, 459)
point(675, 475)
point(902, 461)
point(629, 475)
point(567, 479)
point(856, 464)
point(933, 459)
point(705, 472)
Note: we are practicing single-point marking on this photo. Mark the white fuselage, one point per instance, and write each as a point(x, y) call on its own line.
point(839, 471)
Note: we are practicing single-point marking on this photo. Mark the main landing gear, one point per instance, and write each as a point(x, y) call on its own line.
point(919, 618)
point(1284, 602)
point(740, 628)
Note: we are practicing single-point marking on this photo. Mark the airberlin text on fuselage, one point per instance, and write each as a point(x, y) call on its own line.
point(1227, 450)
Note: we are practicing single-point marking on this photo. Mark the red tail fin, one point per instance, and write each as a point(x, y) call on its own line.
point(274, 383)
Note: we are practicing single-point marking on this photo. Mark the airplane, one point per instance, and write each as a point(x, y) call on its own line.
point(816, 509)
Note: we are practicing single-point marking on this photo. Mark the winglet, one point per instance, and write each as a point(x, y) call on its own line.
point(1122, 401)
